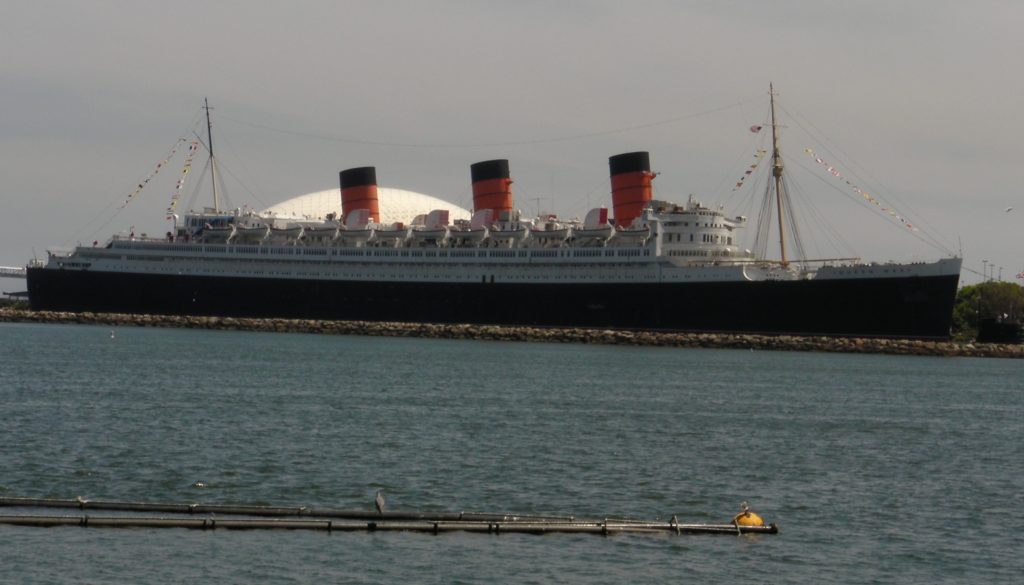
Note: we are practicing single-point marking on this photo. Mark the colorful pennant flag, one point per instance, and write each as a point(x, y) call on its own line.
point(150, 176)
point(186, 169)
point(750, 170)
point(835, 173)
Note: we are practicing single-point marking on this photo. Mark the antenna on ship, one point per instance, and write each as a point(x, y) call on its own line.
point(776, 173)
point(213, 161)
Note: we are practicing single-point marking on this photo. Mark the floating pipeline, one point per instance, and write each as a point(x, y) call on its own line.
point(539, 334)
point(330, 520)
point(606, 528)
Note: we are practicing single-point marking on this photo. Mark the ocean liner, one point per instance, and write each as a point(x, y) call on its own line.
point(650, 264)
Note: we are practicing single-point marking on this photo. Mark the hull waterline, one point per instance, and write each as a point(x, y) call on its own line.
point(912, 307)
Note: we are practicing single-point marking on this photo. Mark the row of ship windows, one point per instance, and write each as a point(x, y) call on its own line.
point(405, 269)
point(701, 253)
point(376, 276)
point(862, 271)
point(160, 263)
point(695, 224)
point(460, 277)
point(290, 251)
point(706, 238)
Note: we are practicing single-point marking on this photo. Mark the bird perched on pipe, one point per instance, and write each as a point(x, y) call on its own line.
point(379, 501)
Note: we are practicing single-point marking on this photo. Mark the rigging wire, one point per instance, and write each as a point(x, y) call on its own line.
point(839, 155)
point(764, 223)
point(194, 192)
point(811, 215)
point(860, 202)
point(221, 186)
point(827, 144)
point(238, 160)
point(799, 253)
point(746, 205)
point(757, 143)
point(551, 140)
point(120, 204)
point(198, 117)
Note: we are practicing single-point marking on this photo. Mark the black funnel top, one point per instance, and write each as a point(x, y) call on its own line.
point(358, 177)
point(629, 162)
point(489, 169)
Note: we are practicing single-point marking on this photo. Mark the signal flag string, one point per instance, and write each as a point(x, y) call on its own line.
point(760, 154)
point(867, 196)
point(160, 165)
point(186, 169)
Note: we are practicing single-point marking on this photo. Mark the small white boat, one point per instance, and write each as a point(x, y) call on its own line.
point(507, 237)
point(596, 227)
point(467, 236)
point(322, 234)
point(218, 234)
point(285, 235)
point(549, 234)
point(433, 230)
point(422, 235)
point(251, 234)
point(639, 235)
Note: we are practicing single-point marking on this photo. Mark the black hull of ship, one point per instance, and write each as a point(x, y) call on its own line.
point(911, 307)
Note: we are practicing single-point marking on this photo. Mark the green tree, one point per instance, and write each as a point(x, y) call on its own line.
point(988, 300)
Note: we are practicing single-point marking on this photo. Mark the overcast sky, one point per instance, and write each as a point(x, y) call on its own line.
point(917, 102)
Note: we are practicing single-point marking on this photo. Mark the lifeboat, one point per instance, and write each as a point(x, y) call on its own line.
point(218, 234)
point(433, 228)
point(465, 236)
point(637, 235)
point(320, 234)
point(285, 235)
point(425, 235)
point(549, 234)
point(507, 237)
point(394, 234)
point(251, 234)
point(357, 229)
point(596, 227)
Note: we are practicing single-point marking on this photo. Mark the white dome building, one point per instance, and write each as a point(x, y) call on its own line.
point(396, 205)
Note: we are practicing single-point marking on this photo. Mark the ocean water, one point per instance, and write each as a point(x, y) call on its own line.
point(877, 469)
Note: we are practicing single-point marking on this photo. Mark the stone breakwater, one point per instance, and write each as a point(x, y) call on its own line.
point(516, 333)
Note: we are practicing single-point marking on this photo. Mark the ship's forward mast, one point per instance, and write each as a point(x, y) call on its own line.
point(777, 196)
point(213, 160)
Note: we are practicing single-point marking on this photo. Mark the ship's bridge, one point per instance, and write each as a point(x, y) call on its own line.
point(694, 233)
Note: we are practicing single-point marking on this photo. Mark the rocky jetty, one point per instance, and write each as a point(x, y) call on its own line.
point(542, 334)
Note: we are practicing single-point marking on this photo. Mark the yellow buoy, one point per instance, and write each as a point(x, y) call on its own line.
point(746, 517)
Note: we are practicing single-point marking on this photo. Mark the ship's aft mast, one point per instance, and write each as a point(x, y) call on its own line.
point(777, 175)
point(213, 160)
